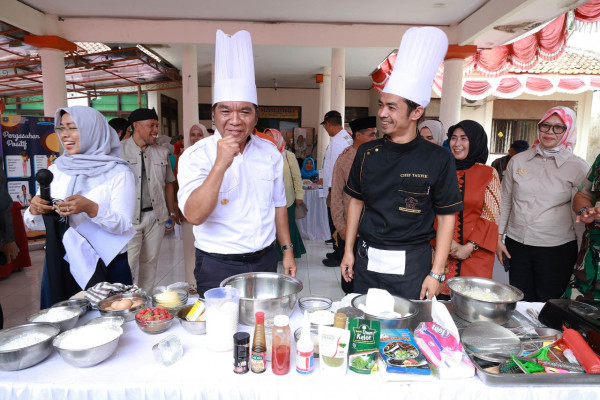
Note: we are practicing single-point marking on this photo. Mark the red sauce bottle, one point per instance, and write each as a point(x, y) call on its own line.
point(280, 360)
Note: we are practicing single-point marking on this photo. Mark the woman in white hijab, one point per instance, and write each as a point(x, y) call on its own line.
point(433, 131)
point(98, 188)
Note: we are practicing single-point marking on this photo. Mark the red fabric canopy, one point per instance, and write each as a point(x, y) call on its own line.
point(489, 68)
point(548, 44)
point(589, 12)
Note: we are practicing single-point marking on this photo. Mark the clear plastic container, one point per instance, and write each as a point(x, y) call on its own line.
point(222, 311)
point(280, 363)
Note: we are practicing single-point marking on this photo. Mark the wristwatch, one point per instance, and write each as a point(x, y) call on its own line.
point(287, 246)
point(438, 277)
point(172, 214)
point(475, 245)
point(582, 210)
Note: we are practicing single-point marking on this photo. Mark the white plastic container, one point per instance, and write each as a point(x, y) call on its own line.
point(305, 349)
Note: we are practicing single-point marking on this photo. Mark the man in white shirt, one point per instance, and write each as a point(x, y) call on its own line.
point(231, 183)
point(339, 140)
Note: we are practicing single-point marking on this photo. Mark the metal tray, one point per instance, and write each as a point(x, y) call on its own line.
point(534, 379)
point(516, 321)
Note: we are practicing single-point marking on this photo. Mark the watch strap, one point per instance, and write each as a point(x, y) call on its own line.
point(437, 277)
point(287, 246)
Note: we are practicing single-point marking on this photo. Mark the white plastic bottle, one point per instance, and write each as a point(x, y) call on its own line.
point(305, 349)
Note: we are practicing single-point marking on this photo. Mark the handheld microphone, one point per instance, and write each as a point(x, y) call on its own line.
point(44, 177)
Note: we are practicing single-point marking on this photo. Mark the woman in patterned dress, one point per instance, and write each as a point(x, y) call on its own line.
point(476, 230)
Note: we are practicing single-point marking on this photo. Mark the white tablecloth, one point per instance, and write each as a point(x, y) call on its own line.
point(316, 225)
point(132, 373)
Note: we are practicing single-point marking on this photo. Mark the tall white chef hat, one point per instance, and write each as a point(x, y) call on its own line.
point(234, 68)
point(421, 52)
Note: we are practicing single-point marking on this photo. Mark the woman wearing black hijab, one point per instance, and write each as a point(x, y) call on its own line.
point(476, 230)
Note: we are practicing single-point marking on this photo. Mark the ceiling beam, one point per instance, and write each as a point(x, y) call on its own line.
point(203, 32)
point(478, 28)
point(22, 16)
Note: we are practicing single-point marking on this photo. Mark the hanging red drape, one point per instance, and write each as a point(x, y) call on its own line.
point(548, 44)
point(588, 12)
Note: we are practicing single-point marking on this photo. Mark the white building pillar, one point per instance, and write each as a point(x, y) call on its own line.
point(338, 80)
point(451, 92)
point(324, 106)
point(53, 80)
point(189, 72)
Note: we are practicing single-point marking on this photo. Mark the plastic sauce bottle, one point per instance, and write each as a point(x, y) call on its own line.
point(258, 361)
point(305, 348)
point(280, 362)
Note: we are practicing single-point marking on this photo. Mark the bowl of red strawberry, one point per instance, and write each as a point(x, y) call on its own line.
point(154, 320)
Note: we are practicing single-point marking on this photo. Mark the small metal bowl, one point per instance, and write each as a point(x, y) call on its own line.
point(179, 289)
point(27, 356)
point(193, 327)
point(89, 356)
point(268, 292)
point(401, 305)
point(155, 327)
point(499, 303)
point(113, 320)
point(84, 304)
point(129, 313)
point(314, 303)
point(64, 324)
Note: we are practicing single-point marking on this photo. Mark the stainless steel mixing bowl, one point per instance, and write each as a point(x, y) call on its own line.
point(87, 357)
point(83, 303)
point(495, 301)
point(401, 305)
point(128, 313)
point(193, 327)
point(268, 292)
point(26, 356)
point(64, 324)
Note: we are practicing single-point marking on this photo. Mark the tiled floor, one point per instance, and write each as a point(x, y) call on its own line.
point(20, 291)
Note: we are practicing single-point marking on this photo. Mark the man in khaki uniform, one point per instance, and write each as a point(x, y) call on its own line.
point(155, 195)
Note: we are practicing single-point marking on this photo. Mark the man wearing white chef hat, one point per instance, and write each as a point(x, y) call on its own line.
point(231, 183)
point(402, 183)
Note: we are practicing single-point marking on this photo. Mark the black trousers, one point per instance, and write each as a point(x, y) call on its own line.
point(542, 273)
point(210, 271)
point(418, 265)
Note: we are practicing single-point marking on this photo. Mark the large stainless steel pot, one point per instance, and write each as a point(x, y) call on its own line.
point(268, 292)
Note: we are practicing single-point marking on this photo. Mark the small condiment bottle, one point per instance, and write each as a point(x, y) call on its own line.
point(305, 348)
point(280, 360)
point(339, 320)
point(241, 352)
point(258, 363)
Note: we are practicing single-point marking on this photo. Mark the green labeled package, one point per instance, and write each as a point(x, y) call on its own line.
point(364, 345)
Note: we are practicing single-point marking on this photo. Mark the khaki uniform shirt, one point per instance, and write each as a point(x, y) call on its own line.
point(292, 179)
point(158, 173)
point(537, 194)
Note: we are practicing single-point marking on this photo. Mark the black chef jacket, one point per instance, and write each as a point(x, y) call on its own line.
point(403, 187)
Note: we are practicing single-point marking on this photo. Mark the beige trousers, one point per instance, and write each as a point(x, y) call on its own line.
point(189, 252)
point(143, 250)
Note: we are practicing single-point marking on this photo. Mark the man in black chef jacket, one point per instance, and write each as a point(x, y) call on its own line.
point(401, 183)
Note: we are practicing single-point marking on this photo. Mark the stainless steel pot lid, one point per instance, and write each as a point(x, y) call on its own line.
point(489, 337)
